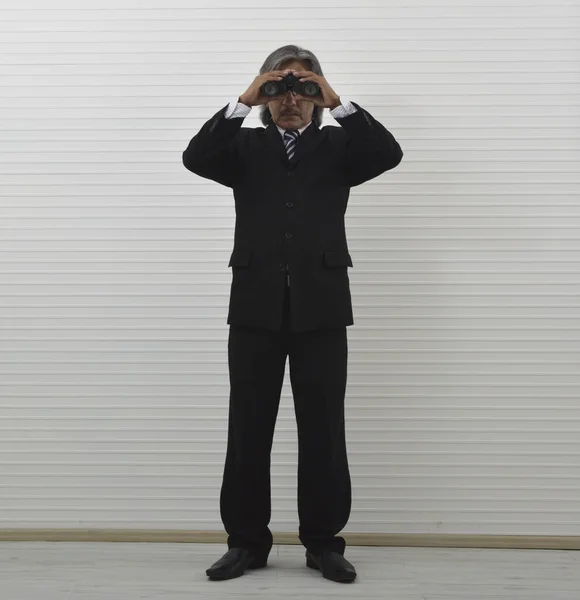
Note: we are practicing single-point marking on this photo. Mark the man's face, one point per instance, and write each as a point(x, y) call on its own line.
point(287, 111)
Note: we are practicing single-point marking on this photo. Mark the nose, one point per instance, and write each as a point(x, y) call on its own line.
point(289, 98)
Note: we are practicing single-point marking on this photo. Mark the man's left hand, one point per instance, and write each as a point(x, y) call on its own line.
point(328, 98)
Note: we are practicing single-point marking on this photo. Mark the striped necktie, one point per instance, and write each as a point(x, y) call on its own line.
point(290, 139)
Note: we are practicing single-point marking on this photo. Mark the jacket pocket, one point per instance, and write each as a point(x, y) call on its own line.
point(338, 257)
point(240, 258)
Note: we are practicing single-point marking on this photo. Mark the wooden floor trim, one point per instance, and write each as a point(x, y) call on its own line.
point(352, 539)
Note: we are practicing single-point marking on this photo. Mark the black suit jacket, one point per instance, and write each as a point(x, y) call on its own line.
point(290, 214)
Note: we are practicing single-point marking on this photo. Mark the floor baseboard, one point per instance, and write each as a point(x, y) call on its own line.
point(530, 542)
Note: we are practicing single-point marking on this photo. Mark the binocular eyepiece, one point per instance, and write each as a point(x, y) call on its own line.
point(290, 82)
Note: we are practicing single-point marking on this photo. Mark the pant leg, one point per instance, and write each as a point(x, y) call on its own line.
point(257, 361)
point(318, 370)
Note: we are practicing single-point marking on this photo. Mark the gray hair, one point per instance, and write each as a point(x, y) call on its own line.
point(274, 62)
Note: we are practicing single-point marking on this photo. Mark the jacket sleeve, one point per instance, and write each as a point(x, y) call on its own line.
point(213, 152)
point(371, 149)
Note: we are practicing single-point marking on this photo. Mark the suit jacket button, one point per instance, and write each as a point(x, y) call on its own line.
point(289, 204)
point(288, 235)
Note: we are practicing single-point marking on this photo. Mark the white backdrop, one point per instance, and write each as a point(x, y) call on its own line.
point(463, 399)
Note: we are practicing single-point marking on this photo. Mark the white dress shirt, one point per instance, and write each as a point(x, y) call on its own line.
point(238, 109)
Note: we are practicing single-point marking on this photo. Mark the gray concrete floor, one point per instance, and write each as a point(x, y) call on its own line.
point(130, 571)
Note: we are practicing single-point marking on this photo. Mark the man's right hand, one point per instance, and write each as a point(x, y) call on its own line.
point(252, 96)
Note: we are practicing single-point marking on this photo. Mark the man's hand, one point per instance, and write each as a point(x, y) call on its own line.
point(253, 96)
point(328, 97)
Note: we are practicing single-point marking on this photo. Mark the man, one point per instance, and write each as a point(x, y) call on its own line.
point(289, 297)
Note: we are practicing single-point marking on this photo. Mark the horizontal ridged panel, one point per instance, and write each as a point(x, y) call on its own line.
point(463, 410)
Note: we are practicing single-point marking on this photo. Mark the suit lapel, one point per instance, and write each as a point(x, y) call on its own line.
point(309, 139)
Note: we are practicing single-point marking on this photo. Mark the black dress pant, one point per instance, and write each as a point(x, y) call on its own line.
point(318, 367)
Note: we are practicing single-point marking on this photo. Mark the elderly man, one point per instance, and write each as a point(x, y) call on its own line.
point(289, 297)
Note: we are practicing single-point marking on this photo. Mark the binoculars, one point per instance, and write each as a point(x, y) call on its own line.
point(290, 82)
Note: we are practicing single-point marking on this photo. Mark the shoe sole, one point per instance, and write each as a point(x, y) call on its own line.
point(339, 578)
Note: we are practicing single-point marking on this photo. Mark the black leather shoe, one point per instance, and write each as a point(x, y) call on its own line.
point(332, 565)
point(234, 563)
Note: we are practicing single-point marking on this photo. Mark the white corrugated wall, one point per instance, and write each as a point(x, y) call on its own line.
point(464, 379)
